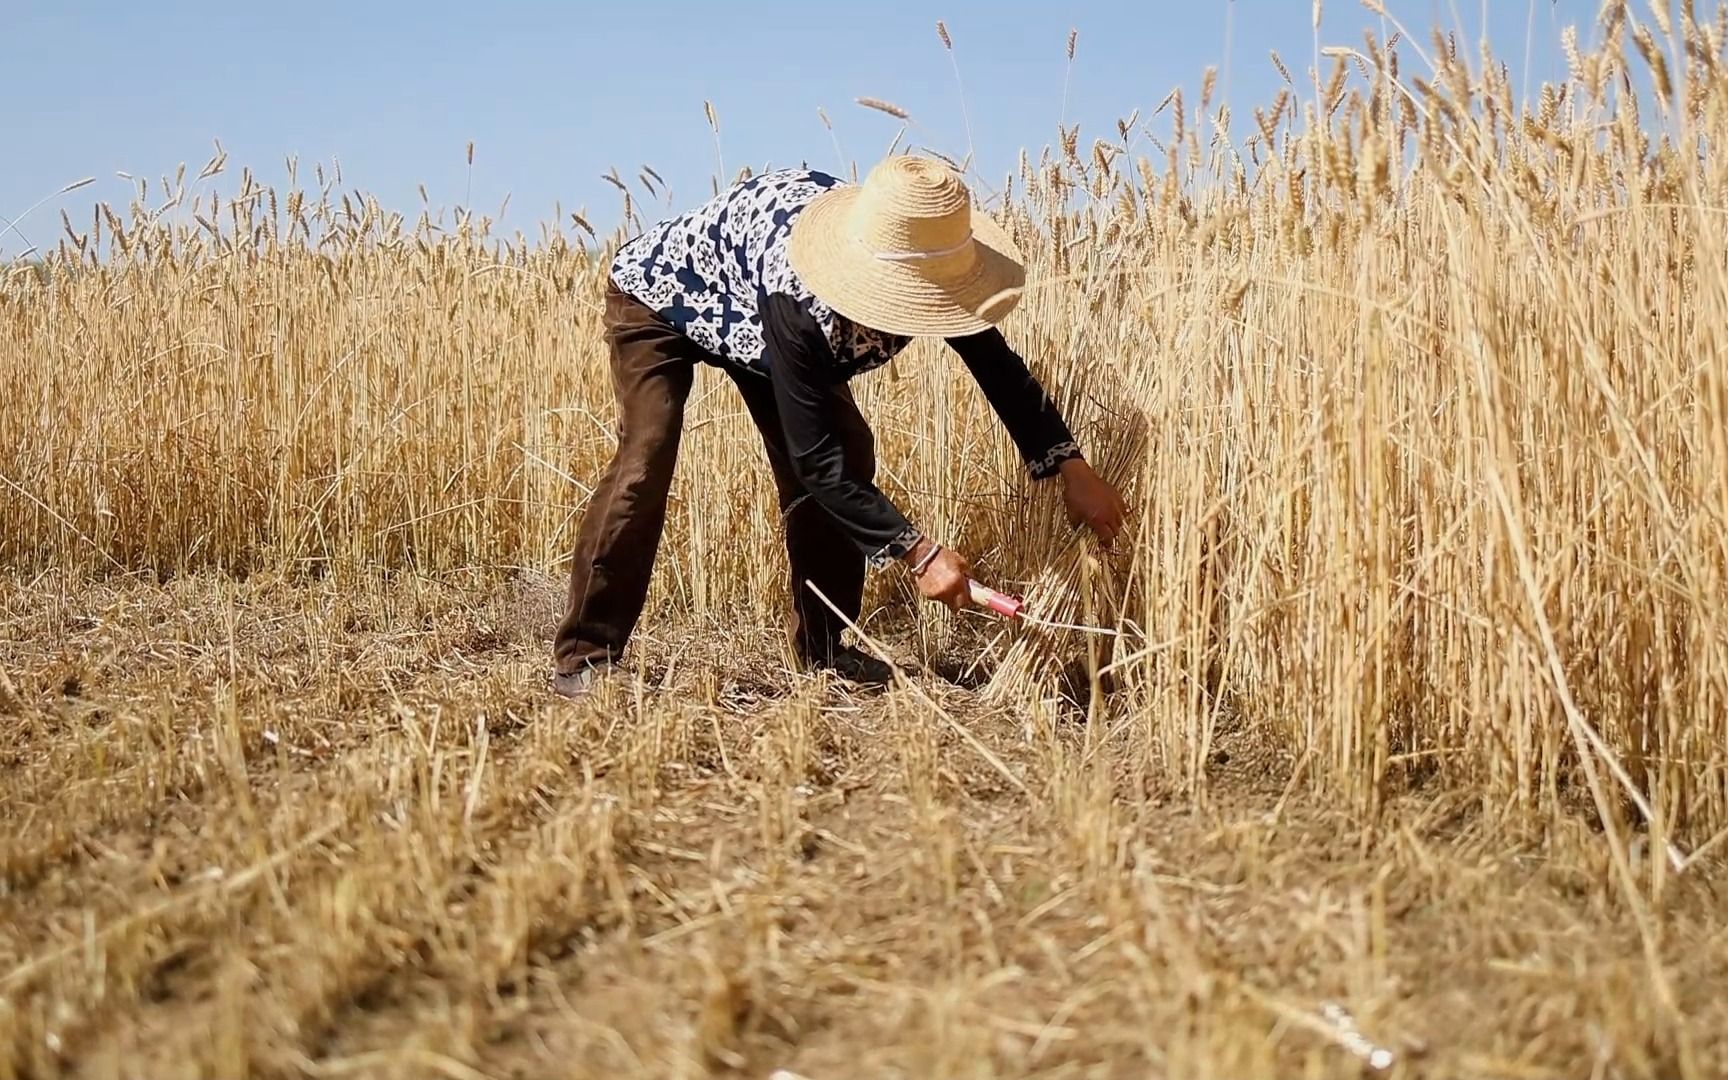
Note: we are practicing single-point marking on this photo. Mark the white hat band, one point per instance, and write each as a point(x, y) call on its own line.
point(921, 256)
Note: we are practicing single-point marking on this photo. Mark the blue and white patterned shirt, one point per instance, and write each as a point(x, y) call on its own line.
point(707, 272)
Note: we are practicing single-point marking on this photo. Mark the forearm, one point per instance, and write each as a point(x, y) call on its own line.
point(1031, 417)
point(866, 515)
point(814, 414)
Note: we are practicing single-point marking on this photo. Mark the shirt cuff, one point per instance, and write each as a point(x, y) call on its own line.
point(895, 549)
point(1051, 463)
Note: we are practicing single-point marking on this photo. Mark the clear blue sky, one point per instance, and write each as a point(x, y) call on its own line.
point(552, 94)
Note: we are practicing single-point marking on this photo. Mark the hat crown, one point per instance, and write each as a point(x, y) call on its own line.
point(910, 206)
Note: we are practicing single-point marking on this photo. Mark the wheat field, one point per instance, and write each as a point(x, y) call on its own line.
point(1408, 756)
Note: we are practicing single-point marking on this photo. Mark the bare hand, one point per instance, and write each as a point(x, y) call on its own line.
point(945, 580)
point(1092, 501)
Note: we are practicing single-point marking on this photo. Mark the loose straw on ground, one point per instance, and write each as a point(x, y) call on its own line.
point(972, 740)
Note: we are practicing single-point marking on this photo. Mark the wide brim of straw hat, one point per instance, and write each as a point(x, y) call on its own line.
point(948, 297)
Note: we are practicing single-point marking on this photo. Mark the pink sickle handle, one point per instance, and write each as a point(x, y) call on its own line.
point(1001, 603)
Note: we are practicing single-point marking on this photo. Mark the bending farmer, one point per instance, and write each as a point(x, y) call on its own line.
point(793, 282)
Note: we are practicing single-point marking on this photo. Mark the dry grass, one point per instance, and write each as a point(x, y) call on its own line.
point(1417, 708)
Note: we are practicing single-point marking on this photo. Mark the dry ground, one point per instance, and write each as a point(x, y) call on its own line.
point(339, 829)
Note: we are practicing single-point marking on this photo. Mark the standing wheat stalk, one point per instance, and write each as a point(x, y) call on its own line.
point(959, 87)
point(714, 127)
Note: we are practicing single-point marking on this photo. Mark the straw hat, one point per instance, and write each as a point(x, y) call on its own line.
point(905, 254)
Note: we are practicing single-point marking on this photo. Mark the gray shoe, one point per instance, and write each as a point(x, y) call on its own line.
point(581, 682)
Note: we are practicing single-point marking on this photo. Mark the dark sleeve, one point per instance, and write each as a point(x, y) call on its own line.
point(804, 379)
point(1032, 419)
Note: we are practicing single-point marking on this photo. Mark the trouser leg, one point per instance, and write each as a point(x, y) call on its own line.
point(653, 368)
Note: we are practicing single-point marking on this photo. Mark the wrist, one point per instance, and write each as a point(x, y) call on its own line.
point(919, 557)
point(1074, 466)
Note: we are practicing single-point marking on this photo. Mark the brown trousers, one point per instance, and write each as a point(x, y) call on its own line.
point(653, 368)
